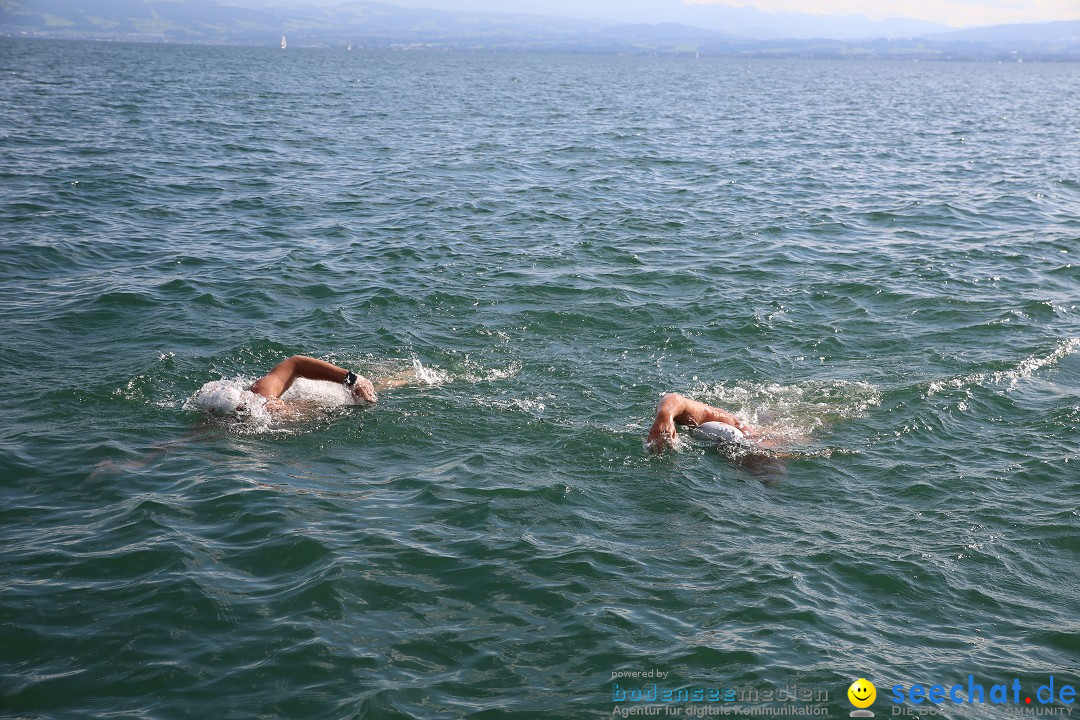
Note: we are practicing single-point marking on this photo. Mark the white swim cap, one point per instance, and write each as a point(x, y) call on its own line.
point(219, 397)
point(719, 432)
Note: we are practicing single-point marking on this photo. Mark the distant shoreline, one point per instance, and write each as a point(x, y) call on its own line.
point(361, 24)
point(874, 50)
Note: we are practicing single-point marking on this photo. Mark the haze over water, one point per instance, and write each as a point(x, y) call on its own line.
point(876, 260)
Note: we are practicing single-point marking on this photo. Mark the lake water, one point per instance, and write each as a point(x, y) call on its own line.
point(879, 261)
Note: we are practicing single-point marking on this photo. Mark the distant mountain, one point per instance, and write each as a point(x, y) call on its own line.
point(186, 21)
point(661, 32)
point(209, 21)
point(753, 23)
point(1065, 31)
point(745, 21)
point(375, 24)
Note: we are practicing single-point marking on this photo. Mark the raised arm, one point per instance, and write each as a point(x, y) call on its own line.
point(675, 409)
point(281, 378)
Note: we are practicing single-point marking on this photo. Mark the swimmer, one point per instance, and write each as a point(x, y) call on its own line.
point(749, 446)
point(269, 393)
point(274, 384)
point(232, 399)
point(675, 409)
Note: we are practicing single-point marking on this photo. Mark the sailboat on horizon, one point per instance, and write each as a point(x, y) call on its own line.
point(282, 42)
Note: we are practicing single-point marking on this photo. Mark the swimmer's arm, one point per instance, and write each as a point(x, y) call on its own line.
point(698, 413)
point(675, 409)
point(277, 381)
point(405, 377)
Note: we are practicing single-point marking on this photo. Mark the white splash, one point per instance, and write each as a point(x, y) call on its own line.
point(231, 398)
point(793, 412)
point(430, 375)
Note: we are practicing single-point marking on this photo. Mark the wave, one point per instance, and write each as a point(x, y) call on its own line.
point(1024, 369)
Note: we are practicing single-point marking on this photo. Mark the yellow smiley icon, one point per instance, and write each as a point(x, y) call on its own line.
point(862, 693)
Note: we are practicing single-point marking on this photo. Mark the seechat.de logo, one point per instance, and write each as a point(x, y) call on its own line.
point(862, 694)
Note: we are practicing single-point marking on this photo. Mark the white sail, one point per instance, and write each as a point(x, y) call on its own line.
point(282, 42)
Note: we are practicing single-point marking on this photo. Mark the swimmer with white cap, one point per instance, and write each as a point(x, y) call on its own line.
point(230, 398)
point(704, 421)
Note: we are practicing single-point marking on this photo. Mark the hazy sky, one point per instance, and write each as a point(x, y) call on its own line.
point(949, 12)
point(958, 13)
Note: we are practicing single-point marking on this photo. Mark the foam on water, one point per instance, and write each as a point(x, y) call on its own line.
point(531, 406)
point(474, 372)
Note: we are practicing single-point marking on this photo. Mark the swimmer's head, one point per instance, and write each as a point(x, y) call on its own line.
point(219, 397)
